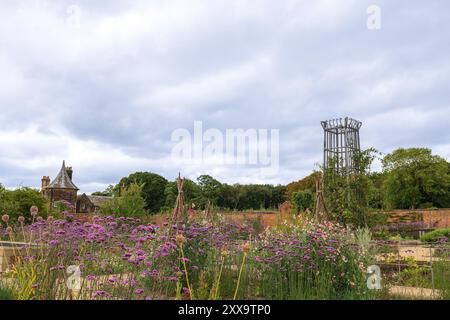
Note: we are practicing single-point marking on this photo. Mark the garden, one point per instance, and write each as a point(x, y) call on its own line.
point(205, 240)
point(206, 257)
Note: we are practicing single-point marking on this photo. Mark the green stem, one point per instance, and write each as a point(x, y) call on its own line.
point(186, 273)
point(239, 277)
point(218, 279)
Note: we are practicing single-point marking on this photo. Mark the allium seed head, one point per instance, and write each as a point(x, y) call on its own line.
point(9, 230)
point(21, 219)
point(180, 239)
point(5, 218)
point(246, 247)
point(34, 210)
point(225, 250)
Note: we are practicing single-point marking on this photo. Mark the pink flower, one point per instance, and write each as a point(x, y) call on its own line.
point(139, 291)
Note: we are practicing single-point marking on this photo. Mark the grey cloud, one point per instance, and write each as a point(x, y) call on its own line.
point(135, 72)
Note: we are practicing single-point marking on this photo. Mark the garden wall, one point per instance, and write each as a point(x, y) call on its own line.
point(264, 219)
point(437, 218)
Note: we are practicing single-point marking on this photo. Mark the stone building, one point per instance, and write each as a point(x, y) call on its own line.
point(63, 190)
point(90, 204)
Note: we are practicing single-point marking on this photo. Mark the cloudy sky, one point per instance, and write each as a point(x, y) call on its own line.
point(104, 85)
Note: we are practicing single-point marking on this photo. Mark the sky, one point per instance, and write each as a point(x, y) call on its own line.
point(103, 85)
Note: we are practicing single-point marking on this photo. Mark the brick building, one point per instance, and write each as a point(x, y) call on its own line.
point(62, 189)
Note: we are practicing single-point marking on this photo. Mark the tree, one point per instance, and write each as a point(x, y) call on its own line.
point(376, 190)
point(130, 203)
point(278, 195)
point(308, 183)
point(108, 192)
point(153, 189)
point(415, 178)
point(192, 194)
point(227, 197)
point(209, 188)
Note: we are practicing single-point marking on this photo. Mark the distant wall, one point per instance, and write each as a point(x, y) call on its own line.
point(266, 219)
point(438, 218)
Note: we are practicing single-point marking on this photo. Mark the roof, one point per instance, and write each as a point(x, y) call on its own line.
point(62, 180)
point(99, 200)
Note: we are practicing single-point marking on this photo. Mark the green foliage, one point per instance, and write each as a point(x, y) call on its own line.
point(302, 200)
point(192, 194)
point(414, 276)
point(225, 196)
point(209, 188)
point(130, 204)
point(18, 202)
point(348, 193)
point(153, 189)
point(306, 184)
point(436, 235)
point(6, 293)
point(441, 271)
point(108, 192)
point(375, 192)
point(415, 177)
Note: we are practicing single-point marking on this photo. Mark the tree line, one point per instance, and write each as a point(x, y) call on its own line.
point(159, 194)
point(410, 178)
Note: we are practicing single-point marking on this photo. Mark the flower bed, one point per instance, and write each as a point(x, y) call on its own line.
point(120, 258)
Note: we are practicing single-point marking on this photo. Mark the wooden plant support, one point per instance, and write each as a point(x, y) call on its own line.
point(179, 211)
point(320, 208)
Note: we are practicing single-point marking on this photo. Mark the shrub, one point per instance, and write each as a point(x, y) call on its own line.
point(131, 203)
point(302, 200)
point(436, 235)
point(17, 202)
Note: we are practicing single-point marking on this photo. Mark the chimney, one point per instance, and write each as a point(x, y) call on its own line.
point(69, 172)
point(45, 182)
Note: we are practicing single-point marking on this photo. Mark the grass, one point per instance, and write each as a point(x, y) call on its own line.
point(6, 293)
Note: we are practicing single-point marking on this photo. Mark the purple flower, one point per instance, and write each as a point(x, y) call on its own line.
point(139, 291)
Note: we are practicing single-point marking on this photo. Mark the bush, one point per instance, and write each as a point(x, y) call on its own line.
point(131, 203)
point(18, 202)
point(436, 235)
point(302, 200)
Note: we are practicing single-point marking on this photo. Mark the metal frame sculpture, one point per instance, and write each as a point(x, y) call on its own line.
point(340, 142)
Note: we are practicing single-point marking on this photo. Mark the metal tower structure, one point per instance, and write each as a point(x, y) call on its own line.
point(340, 142)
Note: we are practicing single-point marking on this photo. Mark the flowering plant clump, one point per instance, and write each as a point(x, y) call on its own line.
point(123, 258)
point(312, 260)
